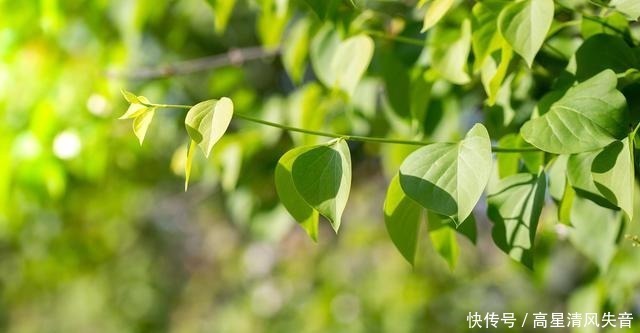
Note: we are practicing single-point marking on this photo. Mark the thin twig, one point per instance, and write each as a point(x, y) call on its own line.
point(234, 57)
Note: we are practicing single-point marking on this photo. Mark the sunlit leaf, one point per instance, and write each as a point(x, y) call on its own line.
point(444, 240)
point(301, 211)
point(449, 178)
point(630, 8)
point(589, 116)
point(350, 61)
point(450, 56)
point(141, 123)
point(524, 24)
point(595, 231)
point(485, 37)
point(322, 177)
point(136, 109)
point(188, 163)
point(295, 48)
point(222, 10)
point(435, 12)
point(514, 208)
point(207, 121)
point(130, 97)
point(402, 218)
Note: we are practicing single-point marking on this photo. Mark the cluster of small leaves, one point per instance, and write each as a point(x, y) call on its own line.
point(573, 138)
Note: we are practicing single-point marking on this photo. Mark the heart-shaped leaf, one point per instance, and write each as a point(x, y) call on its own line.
point(524, 24)
point(207, 121)
point(402, 218)
point(605, 175)
point(514, 208)
point(448, 178)
point(589, 116)
point(435, 12)
point(301, 211)
point(322, 177)
point(141, 124)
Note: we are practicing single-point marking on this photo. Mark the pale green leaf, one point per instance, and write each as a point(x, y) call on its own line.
point(207, 121)
point(222, 10)
point(323, 47)
point(514, 207)
point(595, 230)
point(449, 178)
point(130, 97)
point(524, 24)
point(322, 176)
point(630, 8)
point(141, 123)
point(606, 174)
point(402, 218)
point(557, 173)
point(188, 163)
point(304, 214)
point(449, 58)
point(493, 76)
point(350, 62)
point(136, 109)
point(485, 37)
point(295, 48)
point(589, 116)
point(435, 12)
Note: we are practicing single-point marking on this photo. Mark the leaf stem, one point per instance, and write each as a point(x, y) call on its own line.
point(495, 149)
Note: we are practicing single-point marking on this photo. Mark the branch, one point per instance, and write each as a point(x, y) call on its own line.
point(235, 57)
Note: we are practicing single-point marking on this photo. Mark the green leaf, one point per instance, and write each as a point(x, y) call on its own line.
point(322, 176)
point(141, 123)
point(590, 60)
point(402, 218)
point(136, 109)
point(447, 178)
point(304, 214)
point(340, 64)
point(222, 10)
point(295, 48)
point(605, 174)
point(493, 76)
point(207, 121)
point(595, 231)
point(514, 207)
point(435, 12)
point(524, 24)
point(557, 173)
point(612, 23)
point(449, 58)
point(589, 116)
point(485, 37)
point(468, 228)
point(350, 61)
point(130, 97)
point(188, 163)
point(630, 8)
point(444, 240)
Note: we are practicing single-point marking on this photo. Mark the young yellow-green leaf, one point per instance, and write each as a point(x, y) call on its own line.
point(304, 214)
point(630, 8)
point(136, 109)
point(207, 121)
point(605, 174)
point(449, 59)
point(447, 178)
point(295, 48)
point(322, 177)
point(514, 208)
point(188, 163)
point(222, 10)
point(595, 230)
point(524, 24)
point(402, 218)
point(130, 97)
point(493, 76)
point(589, 116)
point(435, 12)
point(350, 62)
point(485, 37)
point(141, 123)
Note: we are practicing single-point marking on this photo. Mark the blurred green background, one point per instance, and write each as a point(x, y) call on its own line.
point(97, 235)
